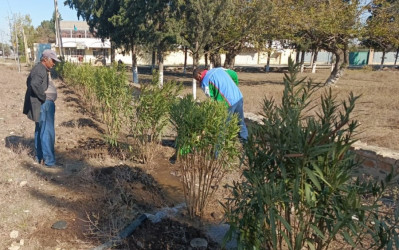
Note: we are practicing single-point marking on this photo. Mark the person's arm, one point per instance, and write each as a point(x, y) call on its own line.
point(39, 84)
point(206, 87)
point(206, 90)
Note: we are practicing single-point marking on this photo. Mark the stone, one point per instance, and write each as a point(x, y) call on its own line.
point(14, 247)
point(14, 234)
point(199, 243)
point(23, 183)
point(60, 225)
point(369, 163)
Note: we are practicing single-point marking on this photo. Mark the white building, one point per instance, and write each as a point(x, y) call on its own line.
point(79, 45)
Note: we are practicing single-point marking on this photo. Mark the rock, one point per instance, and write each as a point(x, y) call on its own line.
point(217, 216)
point(217, 233)
point(60, 225)
point(14, 234)
point(14, 247)
point(23, 183)
point(199, 243)
point(140, 245)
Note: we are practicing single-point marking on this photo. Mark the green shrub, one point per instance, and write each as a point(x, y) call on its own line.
point(151, 116)
point(206, 144)
point(298, 191)
point(104, 88)
point(114, 97)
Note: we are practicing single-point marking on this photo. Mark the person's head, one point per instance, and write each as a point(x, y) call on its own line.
point(49, 58)
point(197, 73)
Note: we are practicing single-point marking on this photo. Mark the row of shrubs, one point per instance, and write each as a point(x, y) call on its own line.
point(126, 112)
point(297, 189)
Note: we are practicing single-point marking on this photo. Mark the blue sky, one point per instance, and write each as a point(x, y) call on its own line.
point(38, 10)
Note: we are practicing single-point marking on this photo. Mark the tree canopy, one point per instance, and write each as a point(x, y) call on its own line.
point(212, 27)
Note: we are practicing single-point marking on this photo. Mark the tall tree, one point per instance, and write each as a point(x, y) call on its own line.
point(242, 20)
point(23, 32)
point(163, 28)
point(45, 32)
point(382, 26)
point(120, 20)
point(330, 24)
point(269, 26)
point(203, 18)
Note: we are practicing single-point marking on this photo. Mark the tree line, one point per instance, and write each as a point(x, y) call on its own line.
point(211, 27)
point(24, 34)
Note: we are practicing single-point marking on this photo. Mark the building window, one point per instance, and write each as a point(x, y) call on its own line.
point(78, 34)
point(65, 33)
point(72, 52)
point(100, 52)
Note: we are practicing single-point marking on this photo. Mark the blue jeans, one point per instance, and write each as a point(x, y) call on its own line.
point(238, 108)
point(45, 134)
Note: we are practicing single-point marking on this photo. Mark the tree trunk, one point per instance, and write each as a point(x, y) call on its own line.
point(206, 59)
point(27, 57)
point(216, 60)
point(160, 68)
point(196, 55)
point(134, 64)
point(232, 51)
point(314, 61)
point(153, 59)
point(341, 62)
point(195, 64)
point(185, 60)
point(302, 61)
point(112, 52)
point(269, 53)
point(382, 59)
point(16, 43)
point(297, 55)
point(396, 56)
point(311, 59)
point(229, 61)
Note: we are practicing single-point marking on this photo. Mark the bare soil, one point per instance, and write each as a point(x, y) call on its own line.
point(98, 192)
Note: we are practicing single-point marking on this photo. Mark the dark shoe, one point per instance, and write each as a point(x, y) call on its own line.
point(53, 166)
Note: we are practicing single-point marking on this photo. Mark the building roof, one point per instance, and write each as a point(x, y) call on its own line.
point(80, 25)
point(85, 43)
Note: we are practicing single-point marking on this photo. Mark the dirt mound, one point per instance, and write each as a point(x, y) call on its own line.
point(167, 234)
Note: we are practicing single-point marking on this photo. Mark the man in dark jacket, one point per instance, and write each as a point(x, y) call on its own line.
point(39, 107)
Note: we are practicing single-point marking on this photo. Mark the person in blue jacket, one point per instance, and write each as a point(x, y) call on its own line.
point(218, 85)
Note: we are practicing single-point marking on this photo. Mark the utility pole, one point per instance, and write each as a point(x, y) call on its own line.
point(58, 29)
